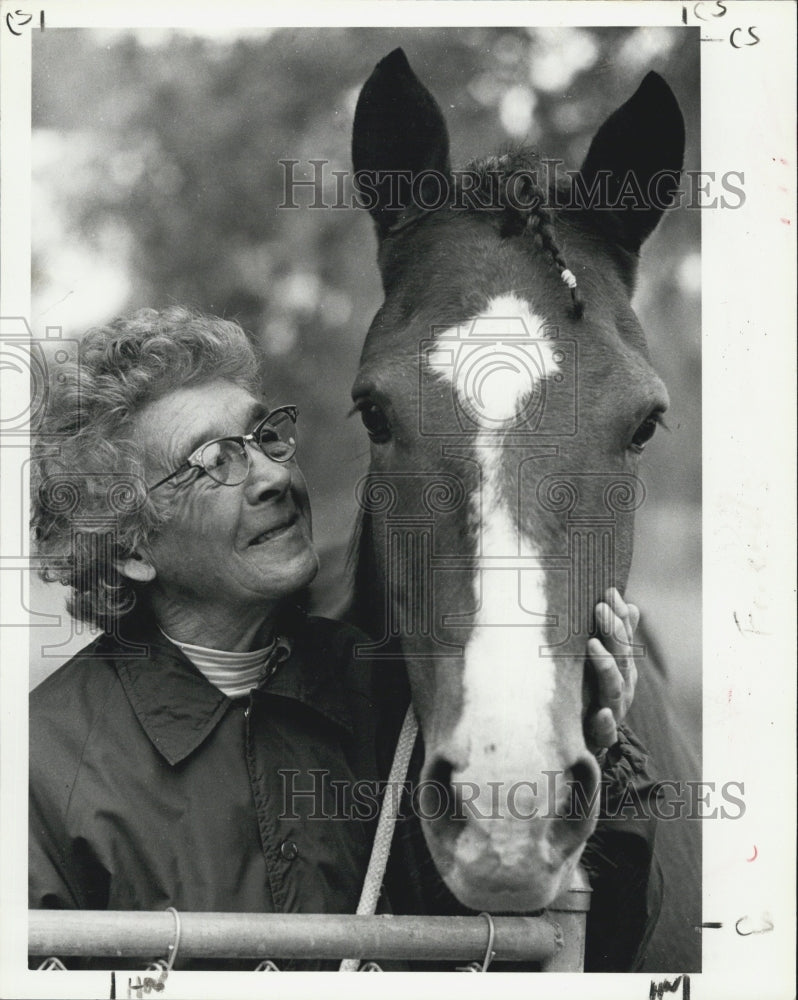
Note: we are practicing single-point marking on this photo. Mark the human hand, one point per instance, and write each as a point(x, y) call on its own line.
point(614, 673)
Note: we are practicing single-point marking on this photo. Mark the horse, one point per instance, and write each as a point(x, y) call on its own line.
point(507, 392)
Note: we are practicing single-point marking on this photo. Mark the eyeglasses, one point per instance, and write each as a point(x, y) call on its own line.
point(227, 460)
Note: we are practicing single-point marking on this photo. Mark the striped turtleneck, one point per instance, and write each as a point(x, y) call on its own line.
point(235, 674)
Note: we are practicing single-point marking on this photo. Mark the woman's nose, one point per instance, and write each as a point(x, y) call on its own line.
point(267, 479)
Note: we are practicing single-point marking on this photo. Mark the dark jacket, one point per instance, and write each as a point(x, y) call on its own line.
point(150, 788)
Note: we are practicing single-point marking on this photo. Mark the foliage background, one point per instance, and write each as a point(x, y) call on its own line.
point(157, 180)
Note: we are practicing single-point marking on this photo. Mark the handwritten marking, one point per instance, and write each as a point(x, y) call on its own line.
point(144, 987)
point(666, 986)
point(25, 19)
point(745, 45)
point(11, 16)
point(751, 629)
point(719, 11)
point(754, 855)
point(767, 926)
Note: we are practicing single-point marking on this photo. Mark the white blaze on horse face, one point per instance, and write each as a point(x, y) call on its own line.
point(508, 687)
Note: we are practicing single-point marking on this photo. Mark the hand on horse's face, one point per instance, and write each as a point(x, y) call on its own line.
point(610, 657)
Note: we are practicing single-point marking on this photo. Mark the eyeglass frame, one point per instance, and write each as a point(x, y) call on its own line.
point(193, 461)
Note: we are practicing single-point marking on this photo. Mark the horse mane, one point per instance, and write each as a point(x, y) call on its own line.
point(516, 159)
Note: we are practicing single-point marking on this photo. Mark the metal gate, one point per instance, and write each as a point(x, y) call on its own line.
point(555, 939)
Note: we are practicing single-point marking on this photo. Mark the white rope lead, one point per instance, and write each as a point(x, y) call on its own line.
point(490, 954)
point(385, 826)
point(173, 948)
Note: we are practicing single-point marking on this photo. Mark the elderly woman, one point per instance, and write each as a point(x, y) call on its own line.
point(194, 754)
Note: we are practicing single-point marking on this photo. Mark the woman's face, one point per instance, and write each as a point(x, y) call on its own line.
point(231, 548)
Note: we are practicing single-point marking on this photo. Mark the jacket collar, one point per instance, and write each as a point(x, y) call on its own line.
point(178, 707)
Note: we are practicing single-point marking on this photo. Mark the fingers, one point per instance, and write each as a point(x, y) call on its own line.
point(610, 681)
point(616, 623)
point(603, 730)
point(610, 656)
point(628, 613)
point(634, 619)
point(613, 630)
point(613, 597)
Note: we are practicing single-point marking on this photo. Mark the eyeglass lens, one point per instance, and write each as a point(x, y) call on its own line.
point(227, 462)
point(277, 438)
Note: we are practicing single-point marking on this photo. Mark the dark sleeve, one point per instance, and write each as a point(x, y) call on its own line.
point(59, 877)
point(63, 872)
point(48, 875)
point(620, 861)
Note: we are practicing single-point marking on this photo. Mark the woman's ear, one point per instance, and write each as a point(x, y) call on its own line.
point(136, 567)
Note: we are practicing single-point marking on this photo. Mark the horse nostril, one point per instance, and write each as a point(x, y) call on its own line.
point(577, 804)
point(580, 801)
point(437, 798)
point(558, 807)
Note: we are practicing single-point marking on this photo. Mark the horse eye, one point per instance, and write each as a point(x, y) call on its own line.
point(375, 422)
point(645, 432)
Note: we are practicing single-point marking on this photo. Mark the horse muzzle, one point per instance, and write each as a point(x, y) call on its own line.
point(508, 845)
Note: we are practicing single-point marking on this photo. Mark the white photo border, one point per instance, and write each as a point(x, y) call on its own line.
point(749, 364)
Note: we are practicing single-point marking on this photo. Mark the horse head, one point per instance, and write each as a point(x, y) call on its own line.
point(507, 391)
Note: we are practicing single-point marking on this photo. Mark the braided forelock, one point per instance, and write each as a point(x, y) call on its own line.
point(520, 168)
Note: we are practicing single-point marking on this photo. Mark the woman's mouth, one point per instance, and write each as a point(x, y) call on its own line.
point(280, 529)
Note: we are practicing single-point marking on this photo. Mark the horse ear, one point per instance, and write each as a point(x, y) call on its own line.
point(399, 130)
point(635, 160)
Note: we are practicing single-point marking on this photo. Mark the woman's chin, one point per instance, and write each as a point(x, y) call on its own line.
point(298, 571)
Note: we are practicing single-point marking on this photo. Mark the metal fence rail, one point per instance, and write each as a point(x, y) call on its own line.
point(555, 938)
point(99, 933)
point(108, 934)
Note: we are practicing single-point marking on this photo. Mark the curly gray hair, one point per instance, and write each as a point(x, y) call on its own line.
point(91, 506)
